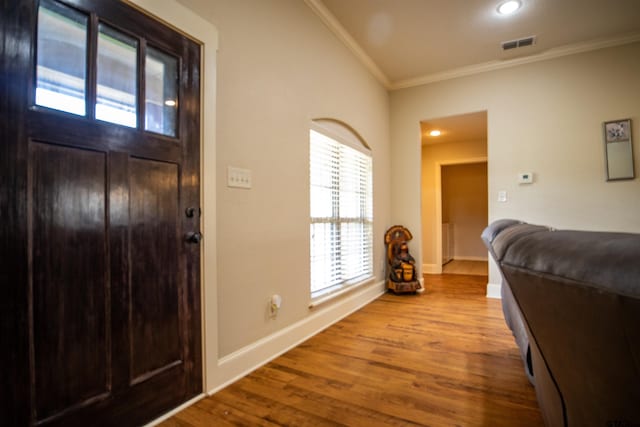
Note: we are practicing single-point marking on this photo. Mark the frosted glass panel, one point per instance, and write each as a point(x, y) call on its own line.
point(62, 59)
point(161, 98)
point(117, 77)
point(620, 160)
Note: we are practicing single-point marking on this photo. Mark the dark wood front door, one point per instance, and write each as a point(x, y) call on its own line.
point(99, 215)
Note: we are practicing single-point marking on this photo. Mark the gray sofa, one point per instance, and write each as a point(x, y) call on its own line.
point(572, 301)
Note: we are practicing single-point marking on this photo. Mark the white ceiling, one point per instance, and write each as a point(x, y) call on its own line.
point(410, 42)
point(462, 127)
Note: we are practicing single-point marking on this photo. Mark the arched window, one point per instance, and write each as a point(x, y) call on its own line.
point(341, 219)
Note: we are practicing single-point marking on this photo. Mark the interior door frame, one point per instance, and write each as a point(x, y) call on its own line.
point(438, 198)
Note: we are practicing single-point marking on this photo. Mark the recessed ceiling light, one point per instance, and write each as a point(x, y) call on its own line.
point(509, 7)
point(170, 103)
point(435, 133)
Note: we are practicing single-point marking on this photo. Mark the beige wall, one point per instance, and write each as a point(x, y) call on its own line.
point(434, 157)
point(465, 207)
point(545, 118)
point(279, 67)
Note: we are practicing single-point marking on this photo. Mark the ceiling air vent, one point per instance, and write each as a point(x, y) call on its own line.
point(512, 44)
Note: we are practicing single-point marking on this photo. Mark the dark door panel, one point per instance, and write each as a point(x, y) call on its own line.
point(69, 277)
point(99, 290)
point(155, 267)
point(155, 396)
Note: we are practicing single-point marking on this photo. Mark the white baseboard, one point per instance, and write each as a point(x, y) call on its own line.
point(174, 411)
point(431, 269)
point(493, 290)
point(470, 258)
point(240, 363)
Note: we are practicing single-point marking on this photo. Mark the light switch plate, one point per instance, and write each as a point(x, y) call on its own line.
point(238, 177)
point(502, 196)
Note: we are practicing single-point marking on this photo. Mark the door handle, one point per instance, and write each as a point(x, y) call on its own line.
point(194, 237)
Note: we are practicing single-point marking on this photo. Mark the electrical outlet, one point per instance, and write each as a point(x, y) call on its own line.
point(275, 302)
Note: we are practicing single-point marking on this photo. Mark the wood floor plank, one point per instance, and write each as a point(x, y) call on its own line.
point(441, 358)
point(476, 268)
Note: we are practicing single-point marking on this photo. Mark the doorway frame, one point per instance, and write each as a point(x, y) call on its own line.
point(438, 200)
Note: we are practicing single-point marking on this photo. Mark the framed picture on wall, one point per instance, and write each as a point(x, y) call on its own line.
point(618, 130)
point(618, 150)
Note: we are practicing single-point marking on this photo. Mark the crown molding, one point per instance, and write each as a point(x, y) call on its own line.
point(341, 33)
point(499, 65)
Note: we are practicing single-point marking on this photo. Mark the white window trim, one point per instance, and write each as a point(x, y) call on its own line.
point(353, 143)
point(315, 302)
point(341, 289)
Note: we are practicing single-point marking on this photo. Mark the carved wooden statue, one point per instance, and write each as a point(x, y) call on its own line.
point(402, 270)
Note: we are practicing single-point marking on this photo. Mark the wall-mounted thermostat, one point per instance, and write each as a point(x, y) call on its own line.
point(525, 178)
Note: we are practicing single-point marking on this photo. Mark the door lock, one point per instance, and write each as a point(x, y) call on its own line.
point(194, 237)
point(190, 212)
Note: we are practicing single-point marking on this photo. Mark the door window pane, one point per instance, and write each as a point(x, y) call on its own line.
point(161, 86)
point(62, 58)
point(117, 77)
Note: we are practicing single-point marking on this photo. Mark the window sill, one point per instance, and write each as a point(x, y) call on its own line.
point(345, 289)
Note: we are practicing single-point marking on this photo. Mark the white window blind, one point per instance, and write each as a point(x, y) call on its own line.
point(341, 214)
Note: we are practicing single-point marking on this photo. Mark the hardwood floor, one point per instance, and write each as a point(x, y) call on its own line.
point(441, 358)
point(475, 268)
